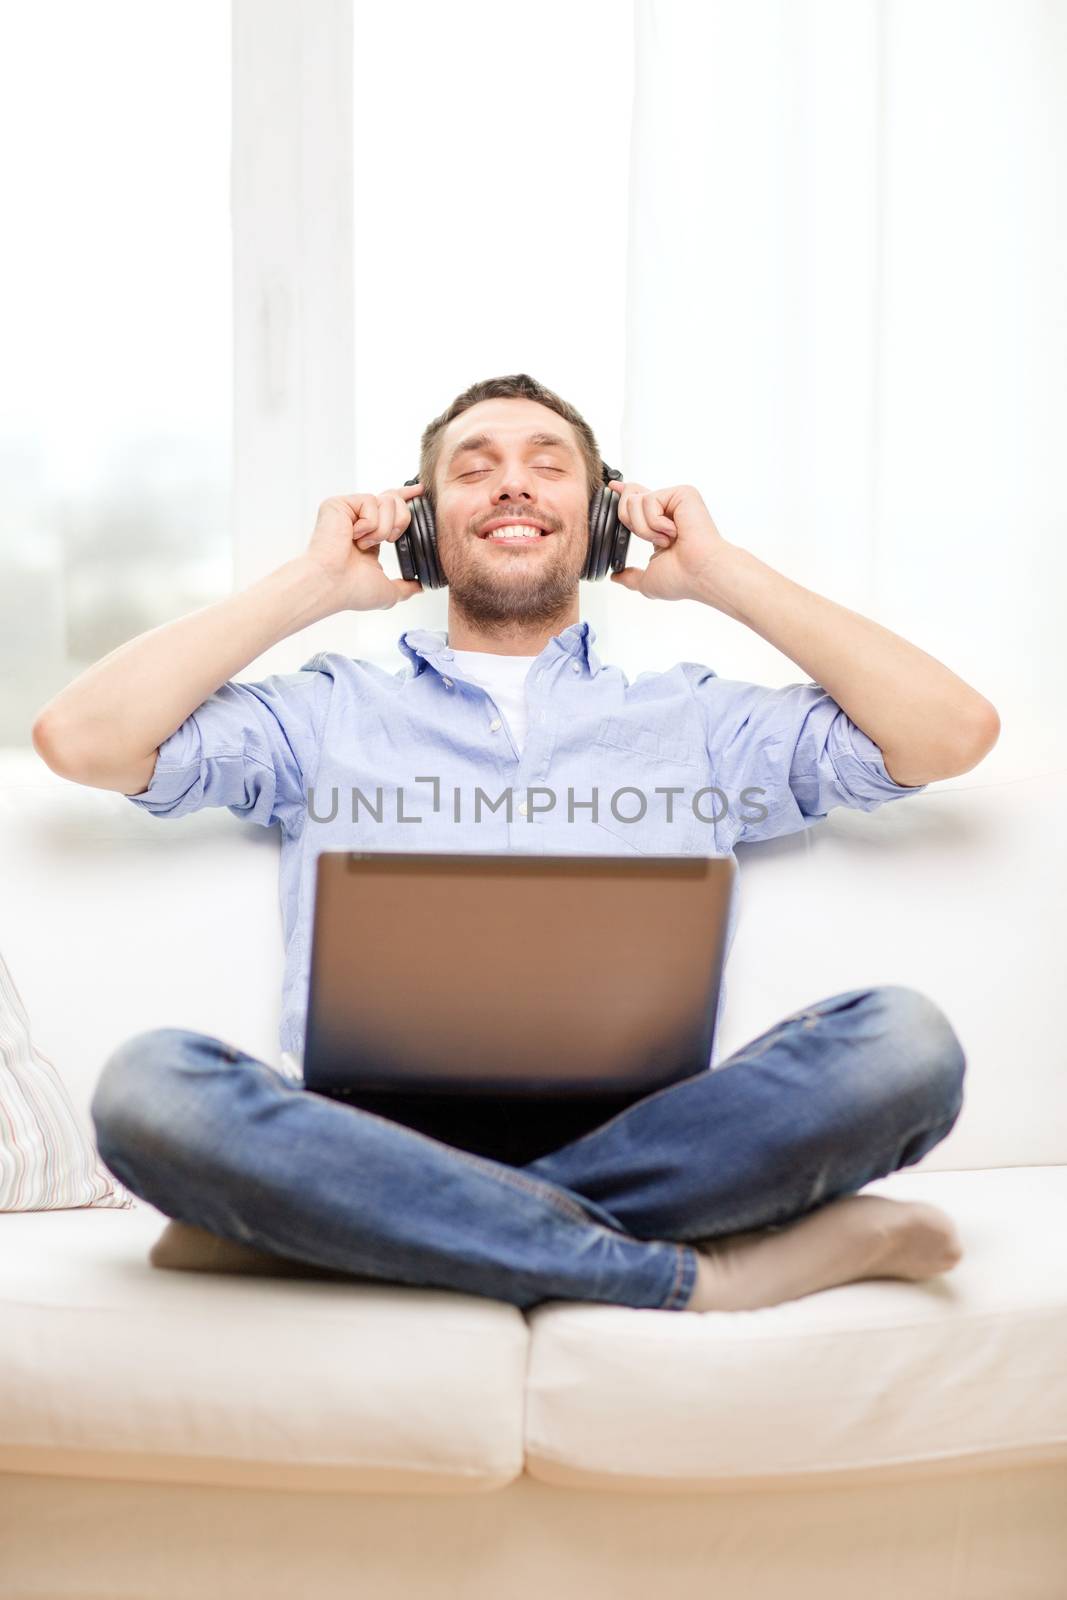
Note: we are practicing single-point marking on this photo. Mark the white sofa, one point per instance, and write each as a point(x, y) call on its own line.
point(175, 1435)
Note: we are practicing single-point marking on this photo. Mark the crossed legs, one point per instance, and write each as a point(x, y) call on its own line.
point(718, 1192)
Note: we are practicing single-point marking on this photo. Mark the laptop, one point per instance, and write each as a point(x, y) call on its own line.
point(506, 1004)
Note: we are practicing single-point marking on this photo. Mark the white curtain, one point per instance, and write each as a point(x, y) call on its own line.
point(808, 255)
point(846, 325)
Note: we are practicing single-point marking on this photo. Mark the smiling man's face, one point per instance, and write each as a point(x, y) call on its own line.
point(497, 465)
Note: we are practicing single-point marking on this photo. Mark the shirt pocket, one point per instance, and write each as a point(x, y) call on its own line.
point(646, 756)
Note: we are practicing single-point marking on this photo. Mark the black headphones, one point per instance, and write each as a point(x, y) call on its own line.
point(609, 539)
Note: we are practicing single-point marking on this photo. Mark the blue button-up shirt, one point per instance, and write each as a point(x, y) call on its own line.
point(344, 755)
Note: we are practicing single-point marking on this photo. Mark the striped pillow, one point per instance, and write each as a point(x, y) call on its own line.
point(47, 1161)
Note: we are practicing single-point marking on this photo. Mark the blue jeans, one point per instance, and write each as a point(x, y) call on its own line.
point(831, 1098)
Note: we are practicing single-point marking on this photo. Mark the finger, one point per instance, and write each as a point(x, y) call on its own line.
point(370, 534)
point(386, 517)
point(627, 494)
point(367, 523)
point(398, 499)
point(355, 502)
point(365, 507)
point(406, 588)
point(628, 578)
point(644, 516)
point(656, 517)
point(401, 517)
point(622, 486)
point(633, 512)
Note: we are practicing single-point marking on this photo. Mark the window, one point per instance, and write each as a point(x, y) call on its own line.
point(116, 330)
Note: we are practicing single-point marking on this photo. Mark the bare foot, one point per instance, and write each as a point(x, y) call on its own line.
point(860, 1236)
point(184, 1247)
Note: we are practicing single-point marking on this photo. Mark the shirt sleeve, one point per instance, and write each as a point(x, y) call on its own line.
point(248, 747)
point(798, 746)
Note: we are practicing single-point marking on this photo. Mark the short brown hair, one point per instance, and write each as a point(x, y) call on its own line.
point(519, 386)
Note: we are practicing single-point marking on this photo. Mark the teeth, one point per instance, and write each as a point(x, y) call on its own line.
point(515, 533)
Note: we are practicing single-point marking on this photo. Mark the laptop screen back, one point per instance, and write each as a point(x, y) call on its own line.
point(516, 973)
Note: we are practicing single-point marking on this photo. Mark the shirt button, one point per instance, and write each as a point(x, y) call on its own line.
point(494, 725)
point(522, 808)
point(448, 683)
point(575, 667)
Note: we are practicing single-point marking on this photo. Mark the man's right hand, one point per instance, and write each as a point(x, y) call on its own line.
point(344, 545)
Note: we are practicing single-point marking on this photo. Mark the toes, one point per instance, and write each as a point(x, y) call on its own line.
point(935, 1235)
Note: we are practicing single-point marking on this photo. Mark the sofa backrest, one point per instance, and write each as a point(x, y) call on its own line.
point(113, 921)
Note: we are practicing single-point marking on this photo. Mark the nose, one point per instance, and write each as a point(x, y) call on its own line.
point(515, 484)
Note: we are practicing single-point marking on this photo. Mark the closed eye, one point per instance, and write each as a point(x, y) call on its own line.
point(476, 472)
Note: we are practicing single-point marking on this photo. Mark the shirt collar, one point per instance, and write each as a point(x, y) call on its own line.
point(427, 647)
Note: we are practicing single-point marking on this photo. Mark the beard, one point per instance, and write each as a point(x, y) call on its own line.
point(495, 589)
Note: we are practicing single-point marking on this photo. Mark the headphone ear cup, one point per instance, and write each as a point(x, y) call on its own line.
point(599, 513)
point(422, 521)
point(416, 549)
point(609, 539)
point(402, 546)
point(439, 579)
point(620, 541)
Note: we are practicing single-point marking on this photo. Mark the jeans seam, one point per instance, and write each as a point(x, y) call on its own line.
point(562, 1203)
point(685, 1272)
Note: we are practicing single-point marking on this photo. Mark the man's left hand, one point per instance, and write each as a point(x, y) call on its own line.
point(688, 545)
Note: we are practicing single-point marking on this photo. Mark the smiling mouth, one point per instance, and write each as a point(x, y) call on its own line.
point(515, 533)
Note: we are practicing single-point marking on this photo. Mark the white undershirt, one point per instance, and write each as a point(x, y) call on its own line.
point(505, 679)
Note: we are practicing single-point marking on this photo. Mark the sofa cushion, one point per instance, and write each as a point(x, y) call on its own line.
point(111, 1369)
point(878, 1378)
point(115, 924)
point(47, 1160)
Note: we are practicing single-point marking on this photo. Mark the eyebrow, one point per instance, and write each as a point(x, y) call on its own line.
point(484, 441)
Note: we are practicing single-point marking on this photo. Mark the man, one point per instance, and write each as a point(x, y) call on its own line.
point(730, 1190)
